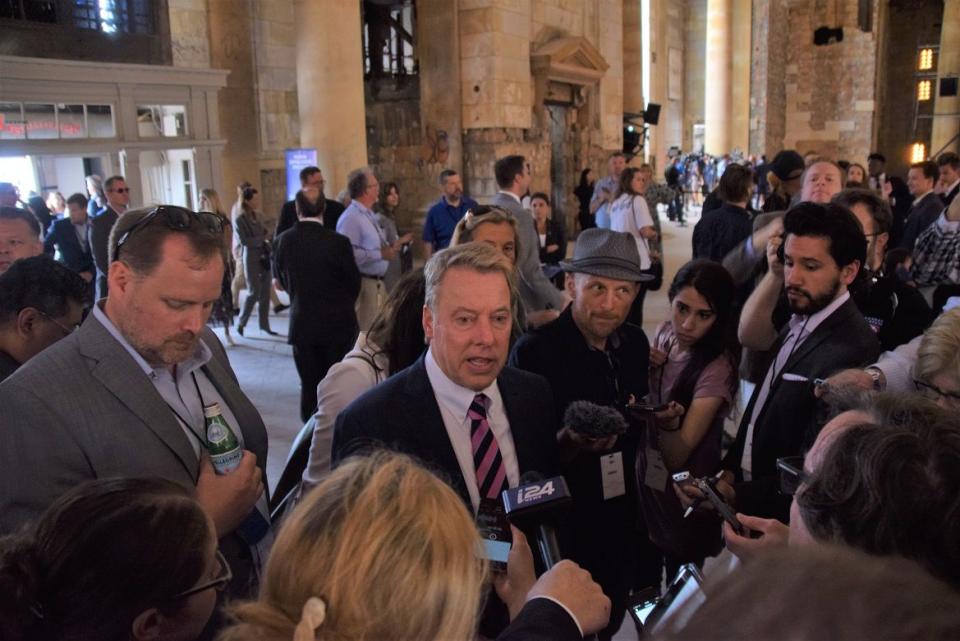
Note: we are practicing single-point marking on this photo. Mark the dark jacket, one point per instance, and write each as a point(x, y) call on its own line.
point(62, 235)
point(602, 535)
point(792, 416)
point(316, 267)
point(99, 240)
point(555, 236)
point(288, 215)
point(402, 415)
point(921, 216)
point(720, 230)
point(896, 311)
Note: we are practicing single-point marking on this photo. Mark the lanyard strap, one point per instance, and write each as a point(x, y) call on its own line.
point(189, 426)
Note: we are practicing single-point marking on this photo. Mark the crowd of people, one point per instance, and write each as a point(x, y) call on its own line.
point(135, 502)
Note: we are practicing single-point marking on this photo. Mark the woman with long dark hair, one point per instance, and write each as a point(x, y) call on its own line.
point(693, 365)
point(112, 560)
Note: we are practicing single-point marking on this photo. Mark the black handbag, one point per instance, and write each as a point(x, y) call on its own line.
point(655, 270)
point(265, 256)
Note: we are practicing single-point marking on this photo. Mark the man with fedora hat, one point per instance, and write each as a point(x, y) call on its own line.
point(591, 353)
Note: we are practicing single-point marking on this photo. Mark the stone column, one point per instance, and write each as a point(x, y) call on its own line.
point(633, 98)
point(718, 92)
point(946, 126)
point(438, 42)
point(330, 86)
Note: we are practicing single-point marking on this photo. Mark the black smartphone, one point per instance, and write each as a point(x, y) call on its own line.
point(708, 487)
point(641, 605)
point(646, 408)
point(494, 533)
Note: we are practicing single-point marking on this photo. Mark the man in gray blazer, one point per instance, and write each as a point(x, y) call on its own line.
point(536, 291)
point(133, 383)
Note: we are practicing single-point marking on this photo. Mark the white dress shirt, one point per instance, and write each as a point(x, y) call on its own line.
point(454, 401)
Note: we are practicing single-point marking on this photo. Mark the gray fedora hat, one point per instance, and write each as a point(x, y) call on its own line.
point(606, 253)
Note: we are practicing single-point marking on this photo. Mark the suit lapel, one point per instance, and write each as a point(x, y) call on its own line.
point(422, 411)
point(514, 406)
point(820, 334)
point(122, 376)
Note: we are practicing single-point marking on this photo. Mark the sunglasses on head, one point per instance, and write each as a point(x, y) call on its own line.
point(176, 218)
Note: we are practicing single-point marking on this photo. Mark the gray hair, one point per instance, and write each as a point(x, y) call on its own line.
point(478, 257)
point(357, 181)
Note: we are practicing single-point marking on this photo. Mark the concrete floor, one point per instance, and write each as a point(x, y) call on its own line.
point(264, 364)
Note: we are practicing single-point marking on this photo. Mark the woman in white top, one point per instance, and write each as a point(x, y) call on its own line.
point(629, 213)
point(394, 342)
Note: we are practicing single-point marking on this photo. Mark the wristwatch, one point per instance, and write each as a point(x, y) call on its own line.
point(878, 378)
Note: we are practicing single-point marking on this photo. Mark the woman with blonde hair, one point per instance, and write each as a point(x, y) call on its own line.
point(382, 549)
point(223, 310)
point(937, 372)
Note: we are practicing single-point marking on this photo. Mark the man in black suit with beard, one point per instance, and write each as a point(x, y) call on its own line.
point(823, 250)
point(316, 267)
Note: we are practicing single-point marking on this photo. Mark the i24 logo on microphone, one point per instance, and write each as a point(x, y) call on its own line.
point(534, 492)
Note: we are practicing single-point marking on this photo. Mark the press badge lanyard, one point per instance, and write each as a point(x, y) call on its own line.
point(202, 441)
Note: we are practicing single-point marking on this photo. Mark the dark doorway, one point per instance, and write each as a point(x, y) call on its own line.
point(564, 165)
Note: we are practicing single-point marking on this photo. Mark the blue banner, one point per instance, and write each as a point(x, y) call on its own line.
point(297, 159)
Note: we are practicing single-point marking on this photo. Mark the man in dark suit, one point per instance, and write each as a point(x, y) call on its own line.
point(118, 197)
point(821, 255)
point(310, 178)
point(949, 164)
point(143, 369)
point(475, 423)
point(70, 236)
point(927, 204)
point(425, 409)
point(316, 267)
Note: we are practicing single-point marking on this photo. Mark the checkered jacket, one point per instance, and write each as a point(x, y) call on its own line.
point(936, 257)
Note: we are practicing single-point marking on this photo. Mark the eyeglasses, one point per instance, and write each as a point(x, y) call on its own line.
point(120, 190)
point(223, 578)
point(66, 330)
point(176, 218)
point(790, 471)
point(934, 393)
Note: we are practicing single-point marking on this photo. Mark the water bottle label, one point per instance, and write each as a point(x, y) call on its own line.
point(227, 461)
point(216, 434)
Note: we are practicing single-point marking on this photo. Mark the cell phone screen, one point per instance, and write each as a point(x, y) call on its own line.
point(642, 610)
point(495, 532)
point(496, 551)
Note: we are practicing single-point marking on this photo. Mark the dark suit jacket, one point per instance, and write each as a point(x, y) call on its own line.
point(555, 236)
point(109, 421)
point(541, 620)
point(402, 414)
point(317, 268)
point(62, 235)
point(288, 215)
point(792, 417)
point(921, 216)
point(99, 241)
point(948, 198)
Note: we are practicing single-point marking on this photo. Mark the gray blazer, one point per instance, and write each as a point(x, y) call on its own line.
point(536, 291)
point(106, 419)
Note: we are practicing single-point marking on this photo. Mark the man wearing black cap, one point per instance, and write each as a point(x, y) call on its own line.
point(787, 168)
point(591, 353)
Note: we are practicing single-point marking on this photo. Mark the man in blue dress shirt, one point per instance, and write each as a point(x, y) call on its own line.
point(443, 217)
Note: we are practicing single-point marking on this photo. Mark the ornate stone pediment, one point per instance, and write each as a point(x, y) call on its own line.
point(571, 59)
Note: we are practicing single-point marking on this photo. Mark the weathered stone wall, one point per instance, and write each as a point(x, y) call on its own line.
point(189, 33)
point(831, 89)
point(768, 96)
point(904, 30)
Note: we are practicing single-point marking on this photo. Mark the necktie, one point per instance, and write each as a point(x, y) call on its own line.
point(487, 462)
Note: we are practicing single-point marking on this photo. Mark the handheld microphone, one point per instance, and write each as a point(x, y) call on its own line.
point(594, 421)
point(539, 503)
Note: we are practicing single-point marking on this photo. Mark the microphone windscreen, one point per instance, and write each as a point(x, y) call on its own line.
point(594, 421)
point(531, 476)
